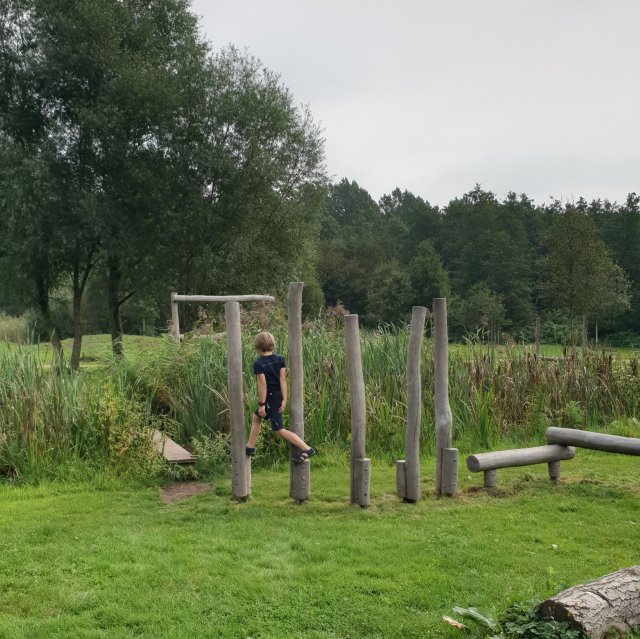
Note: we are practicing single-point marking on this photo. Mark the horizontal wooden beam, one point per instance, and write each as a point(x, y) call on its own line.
point(519, 457)
point(594, 441)
point(222, 298)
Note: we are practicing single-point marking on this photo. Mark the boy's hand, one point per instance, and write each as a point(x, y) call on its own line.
point(262, 411)
point(282, 406)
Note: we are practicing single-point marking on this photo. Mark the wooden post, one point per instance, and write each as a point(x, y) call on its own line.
point(441, 383)
point(175, 318)
point(489, 479)
point(411, 480)
point(554, 470)
point(240, 465)
point(536, 336)
point(449, 471)
point(360, 465)
point(299, 474)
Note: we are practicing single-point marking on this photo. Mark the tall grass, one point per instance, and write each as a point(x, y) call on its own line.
point(14, 329)
point(497, 395)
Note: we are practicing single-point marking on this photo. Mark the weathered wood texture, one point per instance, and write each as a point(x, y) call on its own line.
point(239, 485)
point(361, 481)
point(175, 317)
point(358, 405)
point(299, 482)
point(611, 602)
point(414, 405)
point(594, 441)
point(449, 471)
point(171, 451)
point(223, 298)
point(519, 457)
point(401, 479)
point(441, 384)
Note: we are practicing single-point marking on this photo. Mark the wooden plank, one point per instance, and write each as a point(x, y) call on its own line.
point(171, 451)
point(594, 441)
point(222, 298)
point(519, 457)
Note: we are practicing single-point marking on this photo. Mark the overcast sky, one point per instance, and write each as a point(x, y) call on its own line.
point(536, 96)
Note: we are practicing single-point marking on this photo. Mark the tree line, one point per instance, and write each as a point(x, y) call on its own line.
point(136, 159)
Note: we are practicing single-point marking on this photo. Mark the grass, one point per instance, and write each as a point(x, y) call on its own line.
point(80, 562)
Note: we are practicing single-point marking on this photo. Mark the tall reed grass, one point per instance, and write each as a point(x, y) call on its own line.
point(14, 329)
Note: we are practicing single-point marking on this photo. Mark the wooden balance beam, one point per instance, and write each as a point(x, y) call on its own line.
point(490, 462)
point(593, 441)
point(172, 452)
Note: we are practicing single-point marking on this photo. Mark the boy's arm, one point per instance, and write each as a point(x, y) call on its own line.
point(283, 387)
point(262, 392)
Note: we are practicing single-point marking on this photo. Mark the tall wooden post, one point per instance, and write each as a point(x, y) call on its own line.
point(240, 462)
point(360, 465)
point(175, 318)
point(536, 336)
point(299, 474)
point(408, 487)
point(446, 466)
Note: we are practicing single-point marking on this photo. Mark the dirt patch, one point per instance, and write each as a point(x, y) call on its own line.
point(182, 490)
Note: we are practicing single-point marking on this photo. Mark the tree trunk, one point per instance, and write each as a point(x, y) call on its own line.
point(613, 601)
point(45, 314)
point(114, 278)
point(80, 280)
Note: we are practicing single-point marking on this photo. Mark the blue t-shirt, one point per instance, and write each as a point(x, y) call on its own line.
point(270, 366)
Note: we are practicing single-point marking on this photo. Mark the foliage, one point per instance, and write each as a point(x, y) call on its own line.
point(14, 329)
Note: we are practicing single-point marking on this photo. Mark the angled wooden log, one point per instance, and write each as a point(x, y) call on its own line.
point(441, 384)
point(519, 457)
point(411, 479)
point(359, 492)
point(299, 474)
point(609, 603)
point(223, 298)
point(593, 441)
point(240, 464)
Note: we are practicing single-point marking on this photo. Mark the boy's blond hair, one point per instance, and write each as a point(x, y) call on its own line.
point(265, 342)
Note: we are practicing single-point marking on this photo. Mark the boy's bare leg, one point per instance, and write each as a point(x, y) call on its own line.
point(255, 431)
point(292, 438)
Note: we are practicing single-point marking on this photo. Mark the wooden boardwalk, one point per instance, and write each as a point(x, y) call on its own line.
point(171, 451)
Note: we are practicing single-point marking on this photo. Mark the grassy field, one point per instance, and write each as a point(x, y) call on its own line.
point(112, 562)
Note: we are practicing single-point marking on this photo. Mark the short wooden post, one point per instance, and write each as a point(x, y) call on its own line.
point(490, 479)
point(175, 318)
point(360, 465)
point(449, 471)
point(414, 407)
point(554, 470)
point(536, 336)
point(401, 479)
point(240, 475)
point(441, 383)
point(299, 474)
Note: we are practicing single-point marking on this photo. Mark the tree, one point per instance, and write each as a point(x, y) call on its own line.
point(580, 276)
point(389, 293)
point(428, 277)
point(482, 311)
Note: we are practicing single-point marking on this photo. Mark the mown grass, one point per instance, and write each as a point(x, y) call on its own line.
point(80, 562)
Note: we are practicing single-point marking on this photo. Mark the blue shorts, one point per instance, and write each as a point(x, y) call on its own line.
point(272, 408)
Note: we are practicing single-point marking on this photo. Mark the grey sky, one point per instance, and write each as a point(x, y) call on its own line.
point(535, 96)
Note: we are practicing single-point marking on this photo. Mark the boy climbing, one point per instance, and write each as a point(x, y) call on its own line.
point(271, 373)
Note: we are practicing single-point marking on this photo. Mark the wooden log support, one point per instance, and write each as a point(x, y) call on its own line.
point(401, 479)
point(490, 479)
point(519, 457)
point(175, 317)
point(240, 486)
point(299, 480)
point(358, 412)
point(411, 478)
point(441, 384)
point(609, 603)
point(449, 471)
point(222, 298)
point(554, 470)
point(593, 441)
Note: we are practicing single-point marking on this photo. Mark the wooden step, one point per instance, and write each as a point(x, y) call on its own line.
point(172, 452)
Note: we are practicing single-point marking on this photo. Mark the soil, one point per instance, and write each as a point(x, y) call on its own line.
point(182, 490)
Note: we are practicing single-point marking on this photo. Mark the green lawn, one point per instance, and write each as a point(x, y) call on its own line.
point(112, 561)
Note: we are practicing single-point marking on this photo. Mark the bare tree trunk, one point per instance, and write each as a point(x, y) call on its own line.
point(45, 315)
point(585, 333)
point(611, 602)
point(536, 336)
point(114, 276)
point(80, 279)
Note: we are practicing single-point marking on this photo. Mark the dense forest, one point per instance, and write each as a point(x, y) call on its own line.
point(138, 160)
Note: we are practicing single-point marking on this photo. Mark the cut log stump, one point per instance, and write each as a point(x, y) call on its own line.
point(611, 602)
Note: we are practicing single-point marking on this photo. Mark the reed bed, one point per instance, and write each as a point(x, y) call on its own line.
point(53, 421)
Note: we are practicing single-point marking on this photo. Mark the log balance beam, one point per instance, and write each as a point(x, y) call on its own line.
point(593, 441)
point(490, 462)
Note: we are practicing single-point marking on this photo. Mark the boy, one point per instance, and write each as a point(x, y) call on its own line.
point(271, 372)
